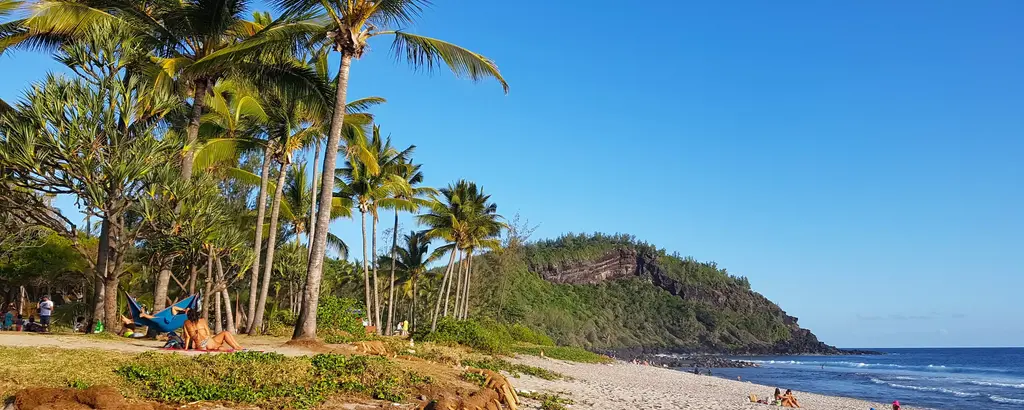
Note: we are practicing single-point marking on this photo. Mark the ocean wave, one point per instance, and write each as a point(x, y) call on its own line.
point(996, 384)
point(956, 393)
point(934, 367)
point(1001, 399)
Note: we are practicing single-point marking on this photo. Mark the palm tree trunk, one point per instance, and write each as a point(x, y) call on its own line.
point(366, 276)
point(469, 280)
point(209, 283)
point(440, 294)
point(261, 205)
point(305, 327)
point(376, 284)
point(391, 293)
point(268, 265)
point(312, 204)
point(448, 290)
point(412, 308)
point(217, 323)
point(192, 131)
point(223, 286)
point(457, 308)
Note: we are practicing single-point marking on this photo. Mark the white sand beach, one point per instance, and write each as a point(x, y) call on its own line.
point(627, 386)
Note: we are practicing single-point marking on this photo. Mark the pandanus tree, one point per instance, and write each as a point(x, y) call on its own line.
point(346, 26)
point(92, 137)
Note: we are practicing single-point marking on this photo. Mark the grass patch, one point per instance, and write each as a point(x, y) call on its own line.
point(514, 369)
point(54, 367)
point(268, 380)
point(549, 401)
point(568, 353)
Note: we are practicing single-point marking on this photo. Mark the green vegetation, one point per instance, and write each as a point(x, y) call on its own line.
point(263, 379)
point(549, 401)
point(569, 353)
point(514, 369)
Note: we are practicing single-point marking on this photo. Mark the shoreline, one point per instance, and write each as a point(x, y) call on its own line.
point(623, 385)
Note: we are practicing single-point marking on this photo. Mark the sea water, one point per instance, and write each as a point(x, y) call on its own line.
point(944, 379)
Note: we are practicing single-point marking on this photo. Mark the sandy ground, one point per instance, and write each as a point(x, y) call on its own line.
point(80, 341)
point(628, 386)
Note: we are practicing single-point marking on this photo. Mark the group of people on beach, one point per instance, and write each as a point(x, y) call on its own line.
point(13, 320)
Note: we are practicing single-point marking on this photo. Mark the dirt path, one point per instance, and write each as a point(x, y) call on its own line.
point(78, 341)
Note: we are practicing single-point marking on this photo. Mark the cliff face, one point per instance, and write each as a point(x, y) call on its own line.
point(735, 300)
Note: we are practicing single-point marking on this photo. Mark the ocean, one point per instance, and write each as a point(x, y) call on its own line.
point(942, 379)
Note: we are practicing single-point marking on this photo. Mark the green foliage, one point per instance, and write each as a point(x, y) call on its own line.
point(269, 380)
point(717, 311)
point(569, 353)
point(338, 320)
point(492, 339)
point(514, 369)
point(475, 378)
point(521, 333)
point(549, 401)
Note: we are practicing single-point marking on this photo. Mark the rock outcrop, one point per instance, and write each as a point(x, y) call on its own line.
point(626, 262)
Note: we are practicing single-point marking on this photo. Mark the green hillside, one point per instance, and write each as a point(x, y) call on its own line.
point(616, 293)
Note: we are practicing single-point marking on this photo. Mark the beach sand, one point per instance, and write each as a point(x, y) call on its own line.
point(629, 386)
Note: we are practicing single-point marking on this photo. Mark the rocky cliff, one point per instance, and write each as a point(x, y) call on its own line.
point(713, 302)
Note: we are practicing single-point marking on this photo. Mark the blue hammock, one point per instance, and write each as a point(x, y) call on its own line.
point(164, 321)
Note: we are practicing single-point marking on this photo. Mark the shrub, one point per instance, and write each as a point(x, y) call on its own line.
point(268, 380)
point(514, 369)
point(521, 333)
point(470, 333)
point(339, 315)
point(569, 353)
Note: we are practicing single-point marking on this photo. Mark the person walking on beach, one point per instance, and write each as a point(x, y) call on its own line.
point(45, 310)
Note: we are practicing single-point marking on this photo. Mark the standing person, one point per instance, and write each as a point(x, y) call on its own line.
point(45, 310)
point(9, 317)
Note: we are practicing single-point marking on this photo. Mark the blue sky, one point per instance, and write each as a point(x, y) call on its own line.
point(860, 161)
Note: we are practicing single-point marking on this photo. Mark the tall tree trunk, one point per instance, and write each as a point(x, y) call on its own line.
point(209, 285)
point(261, 205)
point(305, 327)
point(469, 280)
point(448, 290)
point(446, 279)
point(366, 275)
point(376, 284)
point(100, 273)
point(312, 204)
point(110, 313)
point(457, 308)
point(163, 280)
point(192, 131)
point(217, 322)
point(223, 286)
point(413, 308)
point(391, 293)
point(268, 265)
point(193, 276)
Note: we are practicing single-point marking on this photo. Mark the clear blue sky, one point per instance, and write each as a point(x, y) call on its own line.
point(860, 162)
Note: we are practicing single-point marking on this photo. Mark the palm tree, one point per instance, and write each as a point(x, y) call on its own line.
point(368, 189)
point(181, 34)
point(409, 199)
point(350, 24)
point(411, 260)
point(463, 217)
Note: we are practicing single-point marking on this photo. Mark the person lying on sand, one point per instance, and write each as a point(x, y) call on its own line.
point(197, 330)
point(788, 400)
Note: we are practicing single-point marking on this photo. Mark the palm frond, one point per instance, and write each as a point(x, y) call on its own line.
point(429, 53)
point(335, 243)
point(362, 104)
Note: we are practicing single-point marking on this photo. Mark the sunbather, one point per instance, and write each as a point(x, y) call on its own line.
point(788, 400)
point(197, 333)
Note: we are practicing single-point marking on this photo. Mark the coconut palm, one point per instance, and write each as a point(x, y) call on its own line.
point(349, 25)
point(367, 189)
point(411, 260)
point(409, 199)
point(462, 216)
point(180, 34)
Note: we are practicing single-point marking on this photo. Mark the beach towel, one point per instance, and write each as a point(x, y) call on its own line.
point(164, 321)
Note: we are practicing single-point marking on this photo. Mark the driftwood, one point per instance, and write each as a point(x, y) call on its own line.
point(374, 347)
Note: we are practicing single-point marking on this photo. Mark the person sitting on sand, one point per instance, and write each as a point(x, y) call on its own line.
point(788, 400)
point(896, 405)
point(778, 397)
point(197, 331)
